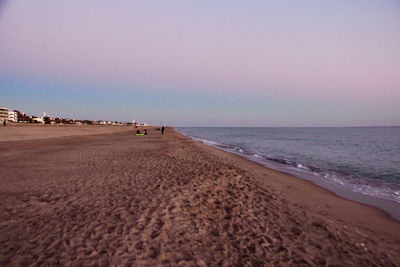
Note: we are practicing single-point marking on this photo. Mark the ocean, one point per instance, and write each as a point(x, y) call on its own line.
point(359, 163)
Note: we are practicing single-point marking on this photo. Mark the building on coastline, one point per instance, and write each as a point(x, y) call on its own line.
point(17, 116)
point(3, 114)
point(13, 116)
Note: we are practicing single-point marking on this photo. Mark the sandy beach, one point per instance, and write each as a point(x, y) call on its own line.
point(103, 196)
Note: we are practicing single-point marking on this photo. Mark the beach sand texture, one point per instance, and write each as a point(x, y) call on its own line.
point(19, 132)
point(123, 199)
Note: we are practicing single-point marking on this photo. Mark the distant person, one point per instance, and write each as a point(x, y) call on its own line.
point(138, 131)
point(145, 132)
point(4, 123)
point(162, 130)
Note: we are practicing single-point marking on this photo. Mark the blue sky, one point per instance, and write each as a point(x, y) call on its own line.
point(275, 63)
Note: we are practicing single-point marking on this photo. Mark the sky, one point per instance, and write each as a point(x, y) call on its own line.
point(203, 63)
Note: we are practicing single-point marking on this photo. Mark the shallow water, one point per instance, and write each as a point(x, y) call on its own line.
point(365, 160)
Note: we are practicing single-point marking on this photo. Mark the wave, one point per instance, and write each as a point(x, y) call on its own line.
point(296, 164)
point(205, 141)
point(365, 186)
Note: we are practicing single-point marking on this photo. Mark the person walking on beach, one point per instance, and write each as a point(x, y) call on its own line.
point(162, 130)
point(4, 123)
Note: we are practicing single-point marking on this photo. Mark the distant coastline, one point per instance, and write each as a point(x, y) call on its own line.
point(15, 116)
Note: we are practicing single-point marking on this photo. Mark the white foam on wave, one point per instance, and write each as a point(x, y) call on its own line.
point(204, 141)
point(298, 165)
point(365, 186)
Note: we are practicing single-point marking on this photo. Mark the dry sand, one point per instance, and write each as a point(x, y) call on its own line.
point(123, 199)
point(18, 132)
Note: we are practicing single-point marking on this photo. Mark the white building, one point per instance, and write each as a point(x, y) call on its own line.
point(13, 116)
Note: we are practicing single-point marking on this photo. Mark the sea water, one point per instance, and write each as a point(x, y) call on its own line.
point(362, 160)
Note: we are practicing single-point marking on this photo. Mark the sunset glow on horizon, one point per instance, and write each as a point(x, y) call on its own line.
point(314, 63)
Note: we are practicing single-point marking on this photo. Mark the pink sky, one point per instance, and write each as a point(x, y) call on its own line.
point(345, 51)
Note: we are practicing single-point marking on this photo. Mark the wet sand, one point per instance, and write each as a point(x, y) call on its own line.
point(121, 199)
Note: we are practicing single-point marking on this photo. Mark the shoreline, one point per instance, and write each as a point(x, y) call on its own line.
point(391, 207)
point(289, 178)
point(121, 199)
